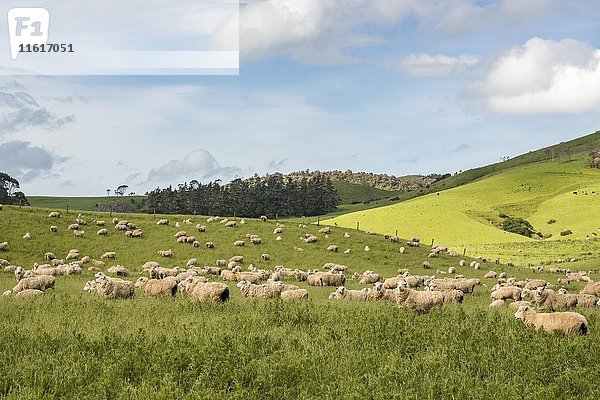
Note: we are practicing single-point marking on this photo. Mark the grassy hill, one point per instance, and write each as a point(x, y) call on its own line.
point(71, 344)
point(353, 193)
point(467, 215)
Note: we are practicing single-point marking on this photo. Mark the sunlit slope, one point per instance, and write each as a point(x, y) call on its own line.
point(467, 214)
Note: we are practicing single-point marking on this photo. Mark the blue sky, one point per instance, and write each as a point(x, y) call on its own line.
point(394, 86)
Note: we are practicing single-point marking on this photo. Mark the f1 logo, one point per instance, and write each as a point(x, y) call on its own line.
point(27, 26)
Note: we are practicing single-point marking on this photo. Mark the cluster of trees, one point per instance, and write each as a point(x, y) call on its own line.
point(9, 193)
point(595, 158)
point(270, 195)
point(379, 181)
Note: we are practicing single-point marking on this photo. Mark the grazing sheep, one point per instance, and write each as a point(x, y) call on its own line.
point(79, 221)
point(587, 300)
point(506, 292)
point(3, 246)
point(73, 227)
point(592, 288)
point(53, 228)
point(426, 265)
point(205, 291)
point(519, 303)
point(333, 267)
point(161, 273)
point(180, 234)
point(27, 236)
point(462, 263)
point(201, 228)
point(421, 301)
point(452, 270)
point(536, 283)
point(100, 223)
point(265, 257)
point(49, 256)
point(413, 244)
point(109, 255)
point(118, 270)
point(72, 254)
point(165, 253)
point(114, 288)
point(297, 294)
point(239, 243)
point(564, 323)
point(157, 287)
point(402, 250)
point(263, 218)
point(39, 282)
point(547, 299)
point(491, 275)
point(102, 232)
point(162, 222)
point(325, 230)
point(326, 279)
point(54, 214)
point(210, 245)
point(115, 221)
point(191, 262)
point(310, 239)
point(78, 233)
point(190, 239)
point(277, 231)
point(332, 247)
point(265, 291)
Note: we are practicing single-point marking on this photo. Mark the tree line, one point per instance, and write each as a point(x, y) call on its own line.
point(270, 195)
point(9, 193)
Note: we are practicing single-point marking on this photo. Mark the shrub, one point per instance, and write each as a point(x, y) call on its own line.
point(551, 221)
point(502, 215)
point(518, 226)
point(566, 232)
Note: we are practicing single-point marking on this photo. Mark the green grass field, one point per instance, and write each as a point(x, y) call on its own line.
point(70, 344)
point(354, 193)
point(468, 216)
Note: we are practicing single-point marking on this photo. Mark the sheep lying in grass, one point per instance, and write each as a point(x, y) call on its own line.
point(54, 214)
point(462, 284)
point(30, 293)
point(265, 291)
point(341, 293)
point(114, 288)
point(533, 284)
point(77, 233)
point(333, 247)
point(333, 267)
point(368, 277)
point(3, 246)
point(118, 270)
point(162, 222)
point(27, 236)
point(161, 273)
point(72, 254)
point(157, 287)
point(296, 294)
point(210, 245)
point(265, 257)
point(564, 323)
point(39, 282)
point(53, 228)
point(239, 243)
point(548, 299)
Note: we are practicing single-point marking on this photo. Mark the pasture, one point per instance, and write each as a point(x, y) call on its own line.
point(68, 343)
point(468, 216)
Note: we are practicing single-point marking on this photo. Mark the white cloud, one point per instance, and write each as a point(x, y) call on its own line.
point(197, 164)
point(462, 16)
point(26, 162)
point(543, 77)
point(437, 65)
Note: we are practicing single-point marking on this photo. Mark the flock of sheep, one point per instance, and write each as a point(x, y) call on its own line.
point(419, 292)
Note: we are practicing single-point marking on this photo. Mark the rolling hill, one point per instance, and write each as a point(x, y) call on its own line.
point(529, 186)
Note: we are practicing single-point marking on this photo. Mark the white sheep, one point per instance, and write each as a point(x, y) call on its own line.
point(210, 245)
point(114, 288)
point(341, 293)
point(165, 253)
point(265, 291)
point(54, 214)
point(39, 282)
point(564, 323)
point(205, 291)
point(420, 301)
point(27, 236)
point(53, 228)
point(109, 255)
point(265, 257)
point(78, 233)
point(301, 294)
point(157, 287)
point(333, 247)
point(239, 243)
point(162, 222)
point(118, 270)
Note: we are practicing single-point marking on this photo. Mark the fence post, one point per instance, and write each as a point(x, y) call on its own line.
point(318, 221)
point(464, 251)
point(396, 232)
point(432, 242)
point(67, 208)
point(357, 225)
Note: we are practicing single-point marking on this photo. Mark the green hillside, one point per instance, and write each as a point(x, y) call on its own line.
point(352, 193)
point(468, 215)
